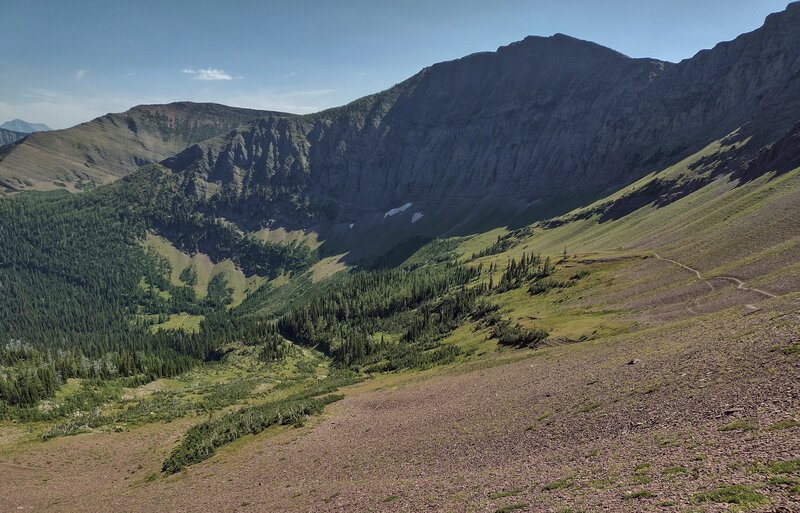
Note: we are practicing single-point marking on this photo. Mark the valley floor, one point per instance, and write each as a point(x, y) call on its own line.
point(696, 410)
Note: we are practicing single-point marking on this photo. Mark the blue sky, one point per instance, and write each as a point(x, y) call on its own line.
point(64, 62)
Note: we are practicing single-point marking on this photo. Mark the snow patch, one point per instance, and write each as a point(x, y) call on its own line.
point(397, 210)
point(416, 217)
point(351, 225)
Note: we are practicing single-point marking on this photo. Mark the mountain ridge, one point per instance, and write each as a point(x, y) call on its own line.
point(109, 146)
point(18, 125)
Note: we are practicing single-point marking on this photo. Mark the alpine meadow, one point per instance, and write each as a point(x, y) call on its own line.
point(547, 278)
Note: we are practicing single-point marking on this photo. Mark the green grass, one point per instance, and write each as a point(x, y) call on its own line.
point(288, 404)
point(588, 407)
point(783, 424)
point(640, 494)
point(714, 218)
point(792, 482)
point(738, 425)
point(558, 485)
point(674, 470)
point(556, 313)
point(642, 474)
point(740, 496)
point(181, 321)
point(70, 388)
point(206, 269)
point(511, 507)
point(791, 349)
point(783, 467)
point(506, 493)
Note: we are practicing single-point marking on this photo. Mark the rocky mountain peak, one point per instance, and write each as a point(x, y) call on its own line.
point(18, 125)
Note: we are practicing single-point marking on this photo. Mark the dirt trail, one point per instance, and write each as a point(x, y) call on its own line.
point(739, 283)
point(741, 286)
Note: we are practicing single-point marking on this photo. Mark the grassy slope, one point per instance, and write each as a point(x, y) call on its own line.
point(206, 269)
point(240, 379)
point(750, 231)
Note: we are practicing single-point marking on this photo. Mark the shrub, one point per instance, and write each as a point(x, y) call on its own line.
point(579, 275)
point(76, 424)
point(201, 441)
point(544, 286)
point(509, 334)
point(482, 309)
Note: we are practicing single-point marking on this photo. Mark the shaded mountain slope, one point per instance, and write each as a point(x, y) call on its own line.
point(113, 145)
point(538, 127)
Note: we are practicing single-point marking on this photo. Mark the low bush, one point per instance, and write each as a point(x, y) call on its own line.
point(509, 334)
point(544, 286)
point(202, 440)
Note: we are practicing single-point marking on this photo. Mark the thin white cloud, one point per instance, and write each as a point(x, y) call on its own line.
point(298, 101)
point(208, 74)
point(39, 94)
point(79, 74)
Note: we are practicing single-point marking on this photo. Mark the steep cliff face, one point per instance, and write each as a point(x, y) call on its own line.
point(513, 122)
point(545, 121)
point(113, 145)
point(10, 136)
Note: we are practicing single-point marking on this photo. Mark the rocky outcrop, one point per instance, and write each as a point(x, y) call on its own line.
point(10, 136)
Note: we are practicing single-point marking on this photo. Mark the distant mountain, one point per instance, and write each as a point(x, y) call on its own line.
point(531, 130)
point(113, 145)
point(18, 125)
point(10, 136)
